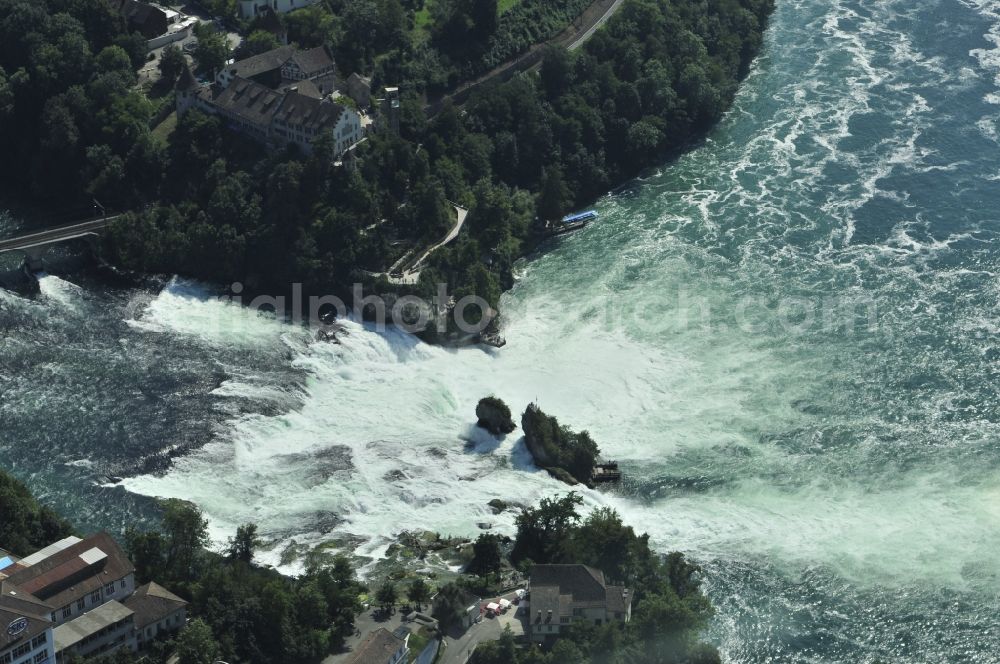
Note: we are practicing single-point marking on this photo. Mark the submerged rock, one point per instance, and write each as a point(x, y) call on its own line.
point(494, 416)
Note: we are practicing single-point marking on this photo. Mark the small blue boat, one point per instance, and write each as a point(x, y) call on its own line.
point(582, 217)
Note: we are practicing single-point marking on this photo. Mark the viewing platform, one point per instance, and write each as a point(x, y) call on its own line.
point(606, 472)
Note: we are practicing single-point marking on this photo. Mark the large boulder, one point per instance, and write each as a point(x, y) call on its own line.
point(494, 416)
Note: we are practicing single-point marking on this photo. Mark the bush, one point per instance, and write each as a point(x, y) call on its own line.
point(557, 447)
point(26, 525)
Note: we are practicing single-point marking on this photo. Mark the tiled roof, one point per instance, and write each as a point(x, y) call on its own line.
point(307, 88)
point(585, 584)
point(312, 60)
point(91, 622)
point(543, 600)
point(13, 598)
point(618, 599)
point(310, 112)
point(250, 101)
point(36, 625)
point(186, 81)
point(377, 648)
point(72, 573)
point(262, 63)
point(152, 603)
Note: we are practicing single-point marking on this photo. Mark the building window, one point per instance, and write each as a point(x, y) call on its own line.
point(109, 589)
point(66, 611)
point(22, 649)
point(38, 641)
point(41, 657)
point(81, 603)
point(5, 658)
point(122, 584)
point(95, 597)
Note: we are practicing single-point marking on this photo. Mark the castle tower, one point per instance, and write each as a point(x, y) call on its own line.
point(187, 89)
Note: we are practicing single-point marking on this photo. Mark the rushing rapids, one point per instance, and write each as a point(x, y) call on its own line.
point(788, 338)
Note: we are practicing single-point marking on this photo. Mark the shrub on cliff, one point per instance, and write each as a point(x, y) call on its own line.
point(558, 447)
point(494, 416)
point(26, 525)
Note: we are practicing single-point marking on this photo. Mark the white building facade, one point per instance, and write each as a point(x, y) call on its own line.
point(25, 639)
point(250, 8)
point(79, 597)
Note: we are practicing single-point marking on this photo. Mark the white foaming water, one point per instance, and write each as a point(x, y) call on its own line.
point(59, 291)
point(989, 58)
point(866, 455)
point(402, 411)
point(189, 308)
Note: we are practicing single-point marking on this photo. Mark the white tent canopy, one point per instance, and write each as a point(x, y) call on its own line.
point(492, 606)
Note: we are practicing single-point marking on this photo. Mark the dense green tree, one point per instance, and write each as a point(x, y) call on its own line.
point(196, 645)
point(501, 651)
point(449, 607)
point(386, 596)
point(26, 525)
point(557, 447)
point(312, 26)
point(542, 532)
point(554, 196)
point(172, 63)
point(556, 72)
point(242, 546)
point(186, 531)
point(257, 42)
point(418, 593)
point(212, 49)
point(486, 558)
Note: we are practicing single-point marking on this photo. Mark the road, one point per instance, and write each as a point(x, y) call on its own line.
point(458, 651)
point(579, 41)
point(57, 234)
point(572, 37)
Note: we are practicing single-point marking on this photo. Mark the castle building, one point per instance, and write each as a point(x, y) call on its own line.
point(564, 594)
point(282, 97)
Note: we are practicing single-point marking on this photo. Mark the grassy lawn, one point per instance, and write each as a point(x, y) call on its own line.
point(165, 128)
point(418, 641)
point(422, 19)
